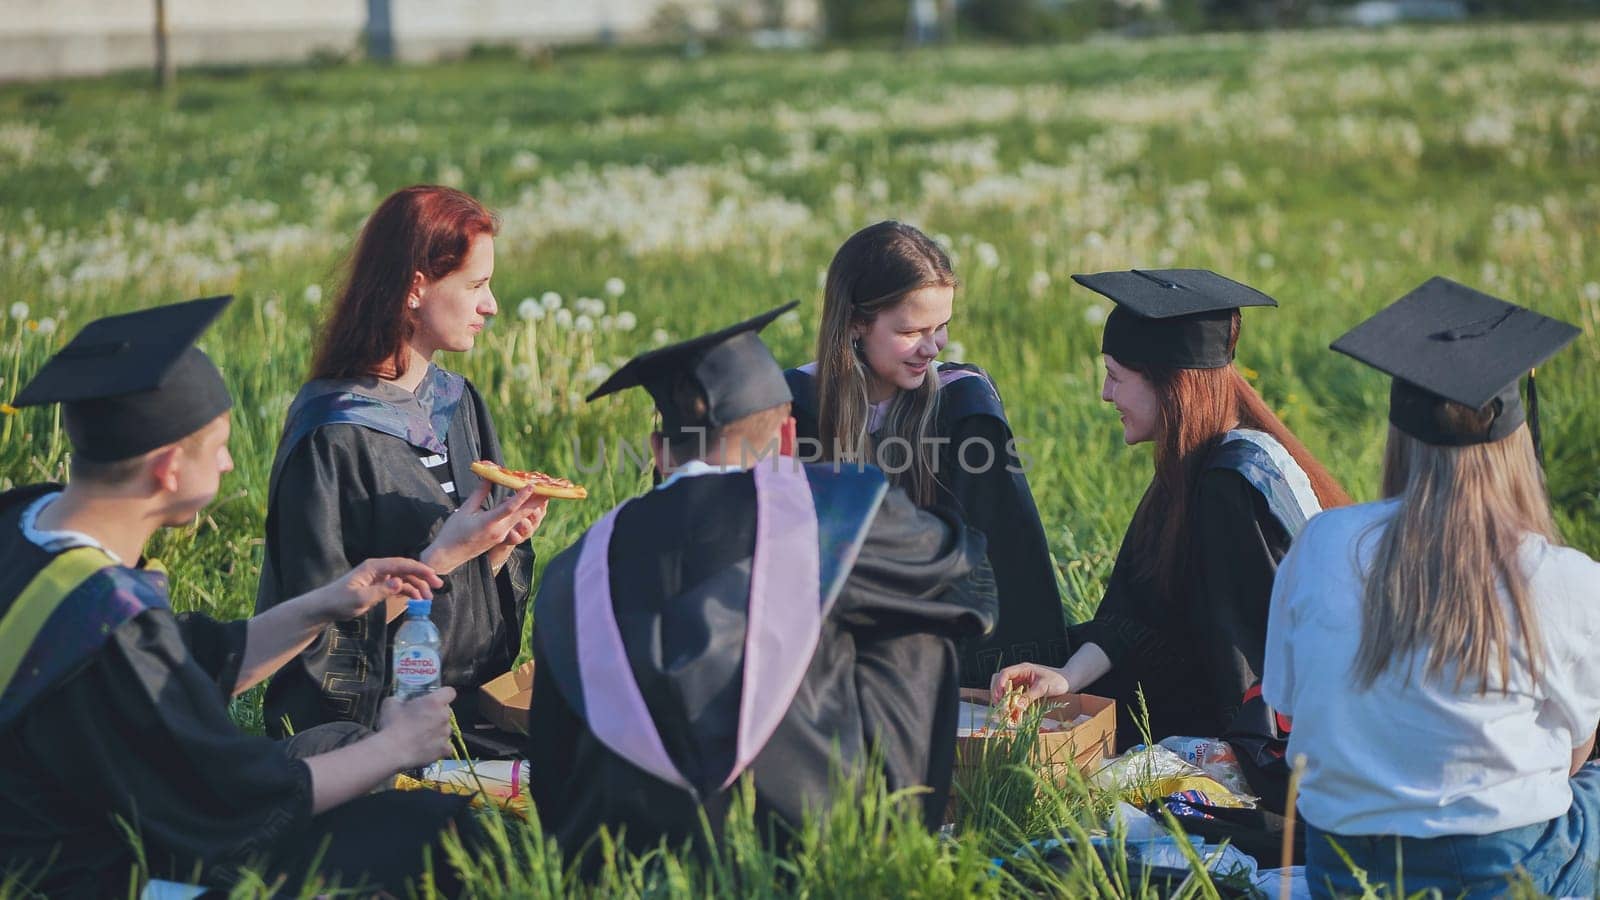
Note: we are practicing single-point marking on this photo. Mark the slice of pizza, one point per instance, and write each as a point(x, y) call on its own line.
point(1014, 704)
point(516, 479)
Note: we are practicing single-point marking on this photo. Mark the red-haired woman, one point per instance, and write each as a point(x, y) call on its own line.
point(374, 462)
point(1185, 611)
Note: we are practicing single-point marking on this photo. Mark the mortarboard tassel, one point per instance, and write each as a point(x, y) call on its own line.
point(1533, 417)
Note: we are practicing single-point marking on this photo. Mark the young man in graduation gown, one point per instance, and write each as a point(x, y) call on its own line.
point(747, 616)
point(114, 722)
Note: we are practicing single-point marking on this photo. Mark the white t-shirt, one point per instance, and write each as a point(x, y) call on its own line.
point(1422, 759)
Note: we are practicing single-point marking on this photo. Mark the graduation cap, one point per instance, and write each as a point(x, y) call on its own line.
point(1446, 343)
point(731, 370)
point(134, 382)
point(1171, 317)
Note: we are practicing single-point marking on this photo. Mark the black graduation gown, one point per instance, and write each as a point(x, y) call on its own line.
point(994, 499)
point(348, 486)
point(884, 670)
point(136, 730)
point(1195, 655)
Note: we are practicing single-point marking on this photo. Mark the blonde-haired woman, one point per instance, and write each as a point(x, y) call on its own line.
point(1436, 649)
point(877, 393)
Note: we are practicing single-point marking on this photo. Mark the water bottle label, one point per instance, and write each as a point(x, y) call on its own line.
point(417, 667)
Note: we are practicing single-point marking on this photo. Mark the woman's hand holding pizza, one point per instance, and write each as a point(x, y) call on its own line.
point(472, 530)
point(533, 515)
point(1018, 686)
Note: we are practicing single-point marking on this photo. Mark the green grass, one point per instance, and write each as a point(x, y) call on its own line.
point(1333, 170)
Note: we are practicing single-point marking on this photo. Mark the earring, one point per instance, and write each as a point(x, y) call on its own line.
point(855, 344)
point(413, 304)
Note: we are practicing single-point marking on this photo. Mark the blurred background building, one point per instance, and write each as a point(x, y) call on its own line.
point(52, 38)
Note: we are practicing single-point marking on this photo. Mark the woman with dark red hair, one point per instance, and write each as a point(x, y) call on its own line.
point(375, 461)
point(1184, 617)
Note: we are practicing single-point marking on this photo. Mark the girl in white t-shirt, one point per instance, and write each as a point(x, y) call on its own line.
point(1437, 650)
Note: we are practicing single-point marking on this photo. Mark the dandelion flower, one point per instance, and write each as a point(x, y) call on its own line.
point(563, 317)
point(615, 287)
point(522, 372)
point(608, 323)
point(660, 336)
point(583, 324)
point(790, 318)
point(988, 256)
point(529, 310)
point(1265, 261)
point(313, 294)
point(1591, 292)
point(1039, 283)
point(550, 300)
point(270, 308)
point(19, 310)
point(596, 374)
point(1095, 314)
point(627, 321)
point(47, 325)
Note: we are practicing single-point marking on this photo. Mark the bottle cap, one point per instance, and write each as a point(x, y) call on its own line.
point(419, 607)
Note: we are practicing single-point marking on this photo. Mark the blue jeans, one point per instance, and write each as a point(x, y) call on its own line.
point(1559, 856)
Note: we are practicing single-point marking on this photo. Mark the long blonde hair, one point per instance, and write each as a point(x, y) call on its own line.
point(872, 272)
point(1447, 563)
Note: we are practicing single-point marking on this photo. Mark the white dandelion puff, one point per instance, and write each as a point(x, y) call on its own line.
point(1591, 292)
point(615, 286)
point(1095, 314)
point(583, 324)
point(529, 310)
point(47, 325)
point(988, 256)
point(627, 321)
point(19, 310)
point(1039, 283)
point(550, 300)
point(313, 294)
point(563, 317)
point(522, 372)
point(660, 336)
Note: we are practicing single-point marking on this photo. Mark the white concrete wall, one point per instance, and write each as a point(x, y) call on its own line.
point(53, 38)
point(49, 38)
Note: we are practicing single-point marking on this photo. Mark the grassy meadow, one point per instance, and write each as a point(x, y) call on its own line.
point(646, 198)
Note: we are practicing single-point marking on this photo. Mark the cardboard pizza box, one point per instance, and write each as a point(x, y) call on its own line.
point(1083, 746)
point(505, 700)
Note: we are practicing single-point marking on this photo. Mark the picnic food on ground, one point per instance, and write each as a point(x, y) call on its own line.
point(516, 479)
point(981, 720)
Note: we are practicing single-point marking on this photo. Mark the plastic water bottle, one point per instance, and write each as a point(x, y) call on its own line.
point(417, 668)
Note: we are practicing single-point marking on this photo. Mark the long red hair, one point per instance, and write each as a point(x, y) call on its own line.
point(424, 228)
point(1198, 406)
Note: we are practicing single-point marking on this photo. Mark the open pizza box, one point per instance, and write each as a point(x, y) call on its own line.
point(1087, 737)
point(505, 700)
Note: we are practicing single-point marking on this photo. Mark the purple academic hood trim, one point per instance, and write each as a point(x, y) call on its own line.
point(783, 625)
point(612, 703)
point(784, 619)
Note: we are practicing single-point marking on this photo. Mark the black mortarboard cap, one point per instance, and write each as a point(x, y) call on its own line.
point(1171, 317)
point(731, 369)
point(134, 382)
point(1445, 342)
